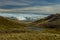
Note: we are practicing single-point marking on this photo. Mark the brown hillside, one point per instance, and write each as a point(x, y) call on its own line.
point(51, 21)
point(6, 23)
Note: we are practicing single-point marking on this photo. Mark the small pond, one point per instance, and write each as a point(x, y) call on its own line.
point(35, 28)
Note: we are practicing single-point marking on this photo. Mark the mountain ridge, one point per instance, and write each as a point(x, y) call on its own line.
point(52, 21)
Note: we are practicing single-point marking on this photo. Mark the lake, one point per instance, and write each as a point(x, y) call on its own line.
point(34, 28)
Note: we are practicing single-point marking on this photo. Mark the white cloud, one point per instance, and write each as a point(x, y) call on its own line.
point(41, 9)
point(35, 9)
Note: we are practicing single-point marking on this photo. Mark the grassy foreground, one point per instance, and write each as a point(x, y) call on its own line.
point(32, 35)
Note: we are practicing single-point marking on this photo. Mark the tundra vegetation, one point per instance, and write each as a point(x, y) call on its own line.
point(17, 30)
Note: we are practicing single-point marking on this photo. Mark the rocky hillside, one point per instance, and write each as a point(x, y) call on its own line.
point(52, 21)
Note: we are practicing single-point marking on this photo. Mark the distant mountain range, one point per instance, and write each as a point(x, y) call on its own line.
point(52, 21)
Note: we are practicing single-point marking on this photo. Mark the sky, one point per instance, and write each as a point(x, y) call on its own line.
point(30, 6)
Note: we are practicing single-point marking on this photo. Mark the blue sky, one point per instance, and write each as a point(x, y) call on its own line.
point(30, 6)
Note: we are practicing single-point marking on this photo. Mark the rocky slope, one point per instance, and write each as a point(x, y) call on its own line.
point(52, 21)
